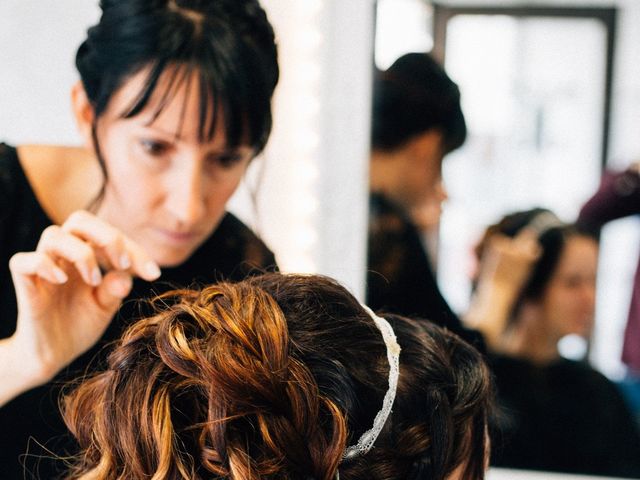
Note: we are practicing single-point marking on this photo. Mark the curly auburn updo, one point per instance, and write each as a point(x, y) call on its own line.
point(272, 378)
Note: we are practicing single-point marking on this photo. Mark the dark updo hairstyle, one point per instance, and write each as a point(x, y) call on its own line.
point(413, 96)
point(272, 378)
point(551, 239)
point(228, 44)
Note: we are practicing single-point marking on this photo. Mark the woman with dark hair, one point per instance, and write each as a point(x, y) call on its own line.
point(536, 285)
point(417, 121)
point(174, 100)
point(282, 376)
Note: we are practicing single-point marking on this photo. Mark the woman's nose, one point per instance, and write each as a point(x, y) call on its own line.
point(441, 191)
point(186, 199)
point(589, 295)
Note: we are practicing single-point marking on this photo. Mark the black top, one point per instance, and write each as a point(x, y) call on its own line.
point(563, 417)
point(232, 252)
point(399, 274)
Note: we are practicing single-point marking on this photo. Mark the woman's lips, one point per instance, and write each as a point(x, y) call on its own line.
point(584, 322)
point(178, 237)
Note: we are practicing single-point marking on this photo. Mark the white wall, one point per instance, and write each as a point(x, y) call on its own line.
point(313, 207)
point(37, 49)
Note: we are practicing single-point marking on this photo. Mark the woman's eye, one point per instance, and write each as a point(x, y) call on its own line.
point(573, 282)
point(226, 160)
point(154, 148)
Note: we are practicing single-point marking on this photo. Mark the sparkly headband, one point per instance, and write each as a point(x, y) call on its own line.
point(543, 222)
point(368, 438)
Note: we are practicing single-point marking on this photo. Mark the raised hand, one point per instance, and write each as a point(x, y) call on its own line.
point(509, 261)
point(67, 290)
point(507, 264)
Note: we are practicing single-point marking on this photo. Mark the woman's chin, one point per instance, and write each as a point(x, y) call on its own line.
point(171, 257)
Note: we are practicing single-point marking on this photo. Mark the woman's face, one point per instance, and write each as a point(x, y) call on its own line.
point(427, 214)
point(166, 190)
point(568, 302)
point(421, 173)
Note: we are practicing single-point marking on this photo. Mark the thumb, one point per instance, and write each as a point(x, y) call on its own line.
point(115, 286)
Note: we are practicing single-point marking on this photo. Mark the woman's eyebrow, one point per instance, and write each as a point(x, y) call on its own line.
point(177, 135)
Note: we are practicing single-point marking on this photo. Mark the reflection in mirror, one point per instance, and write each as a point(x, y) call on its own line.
point(534, 106)
point(524, 82)
point(536, 93)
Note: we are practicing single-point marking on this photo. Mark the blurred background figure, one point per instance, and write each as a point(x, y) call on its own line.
point(619, 196)
point(417, 120)
point(536, 284)
point(545, 91)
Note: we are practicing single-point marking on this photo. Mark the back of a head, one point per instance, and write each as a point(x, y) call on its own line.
point(274, 377)
point(413, 96)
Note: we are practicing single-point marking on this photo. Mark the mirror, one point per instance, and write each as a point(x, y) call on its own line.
point(533, 93)
point(536, 85)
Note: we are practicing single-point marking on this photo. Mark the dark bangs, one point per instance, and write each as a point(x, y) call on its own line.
point(227, 79)
point(228, 55)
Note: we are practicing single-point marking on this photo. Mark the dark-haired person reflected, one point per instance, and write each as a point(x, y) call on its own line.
point(173, 102)
point(417, 121)
point(282, 377)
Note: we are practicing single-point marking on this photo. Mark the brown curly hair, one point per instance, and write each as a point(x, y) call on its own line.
point(272, 378)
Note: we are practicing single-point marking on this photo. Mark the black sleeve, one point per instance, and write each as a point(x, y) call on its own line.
point(7, 193)
point(623, 443)
point(400, 278)
point(6, 190)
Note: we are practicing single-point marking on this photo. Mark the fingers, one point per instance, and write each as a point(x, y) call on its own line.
point(526, 242)
point(115, 286)
point(142, 264)
point(100, 234)
point(85, 242)
point(37, 264)
point(509, 261)
point(523, 246)
point(121, 252)
point(58, 244)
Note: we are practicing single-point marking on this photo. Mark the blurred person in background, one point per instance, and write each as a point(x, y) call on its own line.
point(417, 121)
point(536, 284)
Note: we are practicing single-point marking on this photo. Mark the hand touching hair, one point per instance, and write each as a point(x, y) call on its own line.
point(274, 377)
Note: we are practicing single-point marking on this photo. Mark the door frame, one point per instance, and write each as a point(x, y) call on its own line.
point(607, 16)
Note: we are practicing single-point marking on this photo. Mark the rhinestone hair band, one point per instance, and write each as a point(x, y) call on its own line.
point(543, 222)
point(368, 438)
